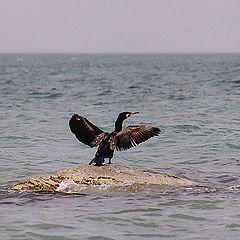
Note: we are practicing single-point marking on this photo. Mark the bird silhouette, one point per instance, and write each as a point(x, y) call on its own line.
point(119, 139)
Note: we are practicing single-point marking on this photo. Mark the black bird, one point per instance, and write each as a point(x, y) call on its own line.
point(120, 139)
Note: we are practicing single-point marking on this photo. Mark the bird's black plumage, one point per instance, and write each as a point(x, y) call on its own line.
point(119, 139)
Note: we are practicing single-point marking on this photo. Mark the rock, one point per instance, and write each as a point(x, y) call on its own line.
point(105, 176)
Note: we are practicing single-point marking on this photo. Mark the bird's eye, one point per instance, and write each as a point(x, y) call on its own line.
point(127, 115)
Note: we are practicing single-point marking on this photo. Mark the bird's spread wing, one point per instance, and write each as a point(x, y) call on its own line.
point(133, 135)
point(85, 131)
point(99, 138)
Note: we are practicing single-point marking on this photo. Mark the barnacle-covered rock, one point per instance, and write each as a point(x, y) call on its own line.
point(106, 176)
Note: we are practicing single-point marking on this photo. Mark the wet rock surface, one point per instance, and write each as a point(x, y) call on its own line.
point(100, 177)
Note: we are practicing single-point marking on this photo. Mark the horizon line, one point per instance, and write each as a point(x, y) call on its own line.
point(121, 53)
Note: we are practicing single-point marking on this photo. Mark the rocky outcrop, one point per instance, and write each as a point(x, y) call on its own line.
point(106, 176)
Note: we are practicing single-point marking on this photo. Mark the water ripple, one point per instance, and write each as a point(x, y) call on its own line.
point(192, 98)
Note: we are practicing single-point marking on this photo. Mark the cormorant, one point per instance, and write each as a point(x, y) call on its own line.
point(119, 139)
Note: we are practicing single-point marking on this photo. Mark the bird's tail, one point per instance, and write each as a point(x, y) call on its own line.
point(98, 160)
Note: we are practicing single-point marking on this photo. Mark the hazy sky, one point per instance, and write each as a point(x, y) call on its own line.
point(103, 26)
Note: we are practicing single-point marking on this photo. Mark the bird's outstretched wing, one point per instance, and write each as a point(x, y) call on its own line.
point(85, 131)
point(133, 135)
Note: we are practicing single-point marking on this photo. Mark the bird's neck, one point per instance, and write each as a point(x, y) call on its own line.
point(118, 125)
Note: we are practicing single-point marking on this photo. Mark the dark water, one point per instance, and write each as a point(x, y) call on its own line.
point(194, 99)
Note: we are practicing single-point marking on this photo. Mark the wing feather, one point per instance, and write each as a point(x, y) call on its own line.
point(134, 135)
point(85, 131)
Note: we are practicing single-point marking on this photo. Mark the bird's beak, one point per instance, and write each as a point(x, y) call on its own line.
point(133, 113)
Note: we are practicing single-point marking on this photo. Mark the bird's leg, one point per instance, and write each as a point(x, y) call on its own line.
point(92, 161)
point(99, 161)
point(109, 161)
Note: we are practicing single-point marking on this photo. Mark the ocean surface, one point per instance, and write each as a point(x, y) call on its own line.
point(194, 99)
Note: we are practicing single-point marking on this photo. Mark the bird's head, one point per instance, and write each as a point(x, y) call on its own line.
point(125, 115)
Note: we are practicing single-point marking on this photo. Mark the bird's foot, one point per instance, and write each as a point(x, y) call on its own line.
point(98, 164)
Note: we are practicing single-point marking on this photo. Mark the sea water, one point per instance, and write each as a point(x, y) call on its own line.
point(193, 99)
